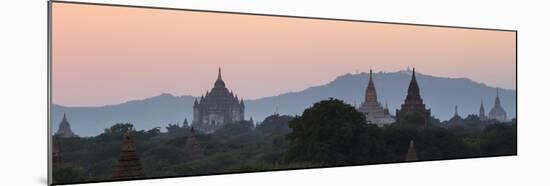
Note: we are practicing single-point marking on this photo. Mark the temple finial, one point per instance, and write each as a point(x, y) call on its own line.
point(456, 110)
point(219, 73)
point(370, 73)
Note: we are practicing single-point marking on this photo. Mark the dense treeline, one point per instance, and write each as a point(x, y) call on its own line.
point(330, 133)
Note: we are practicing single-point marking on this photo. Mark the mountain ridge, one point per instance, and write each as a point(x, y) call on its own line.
point(439, 93)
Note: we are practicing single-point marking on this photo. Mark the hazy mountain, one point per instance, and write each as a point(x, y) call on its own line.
point(144, 114)
point(439, 94)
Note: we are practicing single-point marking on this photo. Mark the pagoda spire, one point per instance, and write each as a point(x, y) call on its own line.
point(370, 72)
point(219, 82)
point(370, 94)
point(219, 73)
point(413, 92)
point(65, 117)
point(413, 103)
point(64, 129)
point(497, 112)
point(456, 110)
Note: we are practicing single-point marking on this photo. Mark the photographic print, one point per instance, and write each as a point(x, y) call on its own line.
point(143, 92)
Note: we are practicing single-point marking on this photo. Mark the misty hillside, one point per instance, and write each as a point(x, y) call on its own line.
point(439, 94)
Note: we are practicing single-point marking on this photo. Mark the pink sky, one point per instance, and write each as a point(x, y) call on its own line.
point(108, 55)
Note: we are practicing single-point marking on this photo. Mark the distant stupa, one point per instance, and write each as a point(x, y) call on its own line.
point(413, 103)
point(128, 165)
point(185, 123)
point(497, 112)
point(456, 119)
point(411, 153)
point(64, 129)
point(193, 149)
point(481, 115)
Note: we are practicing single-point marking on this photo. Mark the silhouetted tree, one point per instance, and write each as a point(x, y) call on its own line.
point(119, 128)
point(330, 133)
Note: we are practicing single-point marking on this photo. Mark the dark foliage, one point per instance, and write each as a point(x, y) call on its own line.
point(328, 133)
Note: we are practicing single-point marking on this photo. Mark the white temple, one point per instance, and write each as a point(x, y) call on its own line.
point(497, 112)
point(372, 108)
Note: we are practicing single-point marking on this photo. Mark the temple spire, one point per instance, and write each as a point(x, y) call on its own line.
point(219, 82)
point(456, 110)
point(370, 75)
point(497, 112)
point(413, 93)
point(481, 111)
point(64, 129)
point(413, 103)
point(219, 73)
point(65, 116)
point(370, 94)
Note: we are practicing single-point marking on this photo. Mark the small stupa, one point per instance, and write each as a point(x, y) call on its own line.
point(128, 165)
point(193, 149)
point(411, 153)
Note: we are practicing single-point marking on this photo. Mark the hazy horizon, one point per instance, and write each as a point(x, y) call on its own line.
point(267, 96)
point(121, 54)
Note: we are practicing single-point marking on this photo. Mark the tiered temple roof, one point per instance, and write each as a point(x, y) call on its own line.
point(217, 108)
point(413, 103)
